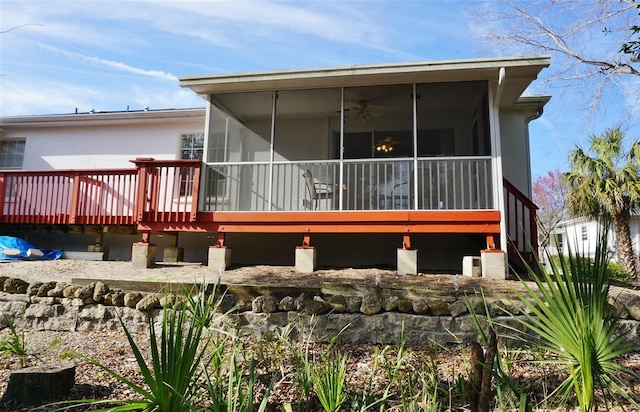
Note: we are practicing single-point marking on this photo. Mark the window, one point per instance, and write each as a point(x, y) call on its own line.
point(191, 147)
point(12, 153)
point(584, 233)
point(559, 241)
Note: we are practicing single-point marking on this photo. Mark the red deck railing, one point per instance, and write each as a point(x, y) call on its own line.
point(164, 194)
point(522, 231)
point(164, 191)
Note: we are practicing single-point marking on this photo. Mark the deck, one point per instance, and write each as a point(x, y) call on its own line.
point(165, 196)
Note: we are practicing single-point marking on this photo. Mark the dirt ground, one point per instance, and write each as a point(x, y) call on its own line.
point(67, 270)
point(435, 284)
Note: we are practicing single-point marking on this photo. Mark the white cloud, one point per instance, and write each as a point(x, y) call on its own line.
point(25, 97)
point(96, 61)
point(158, 74)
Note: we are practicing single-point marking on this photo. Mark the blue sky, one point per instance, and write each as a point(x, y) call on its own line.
point(110, 55)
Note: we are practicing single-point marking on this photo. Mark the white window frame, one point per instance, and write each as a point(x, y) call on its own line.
point(15, 155)
point(193, 151)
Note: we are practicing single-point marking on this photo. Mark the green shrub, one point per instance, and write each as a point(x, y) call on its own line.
point(14, 343)
point(614, 270)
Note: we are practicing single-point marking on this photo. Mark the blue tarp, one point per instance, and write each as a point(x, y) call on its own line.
point(9, 242)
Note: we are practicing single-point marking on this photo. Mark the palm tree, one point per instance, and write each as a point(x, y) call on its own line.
point(605, 182)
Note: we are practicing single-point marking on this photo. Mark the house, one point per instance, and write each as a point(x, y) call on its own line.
point(414, 164)
point(581, 235)
point(48, 145)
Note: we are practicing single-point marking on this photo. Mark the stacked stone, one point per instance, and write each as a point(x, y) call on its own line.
point(59, 306)
point(370, 318)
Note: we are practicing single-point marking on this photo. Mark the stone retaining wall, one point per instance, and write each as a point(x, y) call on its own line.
point(371, 318)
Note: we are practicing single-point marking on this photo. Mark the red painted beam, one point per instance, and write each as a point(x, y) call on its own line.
point(486, 221)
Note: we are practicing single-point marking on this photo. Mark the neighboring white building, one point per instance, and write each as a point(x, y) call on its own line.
point(581, 235)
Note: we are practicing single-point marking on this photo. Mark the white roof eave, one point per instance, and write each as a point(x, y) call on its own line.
point(525, 67)
point(100, 118)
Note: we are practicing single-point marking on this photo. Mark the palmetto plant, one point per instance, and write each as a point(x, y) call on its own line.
point(569, 311)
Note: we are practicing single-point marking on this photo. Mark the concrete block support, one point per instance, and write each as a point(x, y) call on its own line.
point(219, 258)
point(472, 266)
point(494, 264)
point(407, 261)
point(173, 254)
point(143, 255)
point(100, 249)
point(77, 255)
point(305, 259)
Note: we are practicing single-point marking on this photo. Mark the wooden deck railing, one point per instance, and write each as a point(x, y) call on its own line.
point(522, 231)
point(160, 191)
point(165, 191)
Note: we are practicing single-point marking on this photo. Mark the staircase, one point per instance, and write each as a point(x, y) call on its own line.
point(522, 232)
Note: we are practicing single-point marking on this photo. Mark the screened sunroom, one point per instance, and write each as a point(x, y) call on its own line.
point(385, 147)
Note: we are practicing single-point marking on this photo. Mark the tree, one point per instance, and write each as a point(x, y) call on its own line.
point(604, 182)
point(549, 193)
point(593, 41)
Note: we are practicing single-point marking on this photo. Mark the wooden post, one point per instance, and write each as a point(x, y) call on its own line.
point(491, 244)
point(3, 192)
point(141, 193)
point(406, 241)
point(75, 199)
point(195, 191)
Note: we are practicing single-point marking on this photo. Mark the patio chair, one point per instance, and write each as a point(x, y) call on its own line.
point(395, 192)
point(316, 191)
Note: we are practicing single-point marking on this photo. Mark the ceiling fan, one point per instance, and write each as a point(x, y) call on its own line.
point(364, 110)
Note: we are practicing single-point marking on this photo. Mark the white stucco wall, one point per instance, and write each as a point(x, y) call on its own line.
point(70, 146)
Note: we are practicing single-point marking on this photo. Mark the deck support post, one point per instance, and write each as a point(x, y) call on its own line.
point(305, 256)
point(219, 254)
point(98, 247)
point(221, 239)
point(491, 243)
point(407, 257)
point(143, 253)
point(173, 253)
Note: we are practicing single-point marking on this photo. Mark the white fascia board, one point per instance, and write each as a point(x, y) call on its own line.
point(102, 118)
point(525, 67)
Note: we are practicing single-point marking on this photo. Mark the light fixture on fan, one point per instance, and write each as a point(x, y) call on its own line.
point(384, 148)
point(385, 145)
